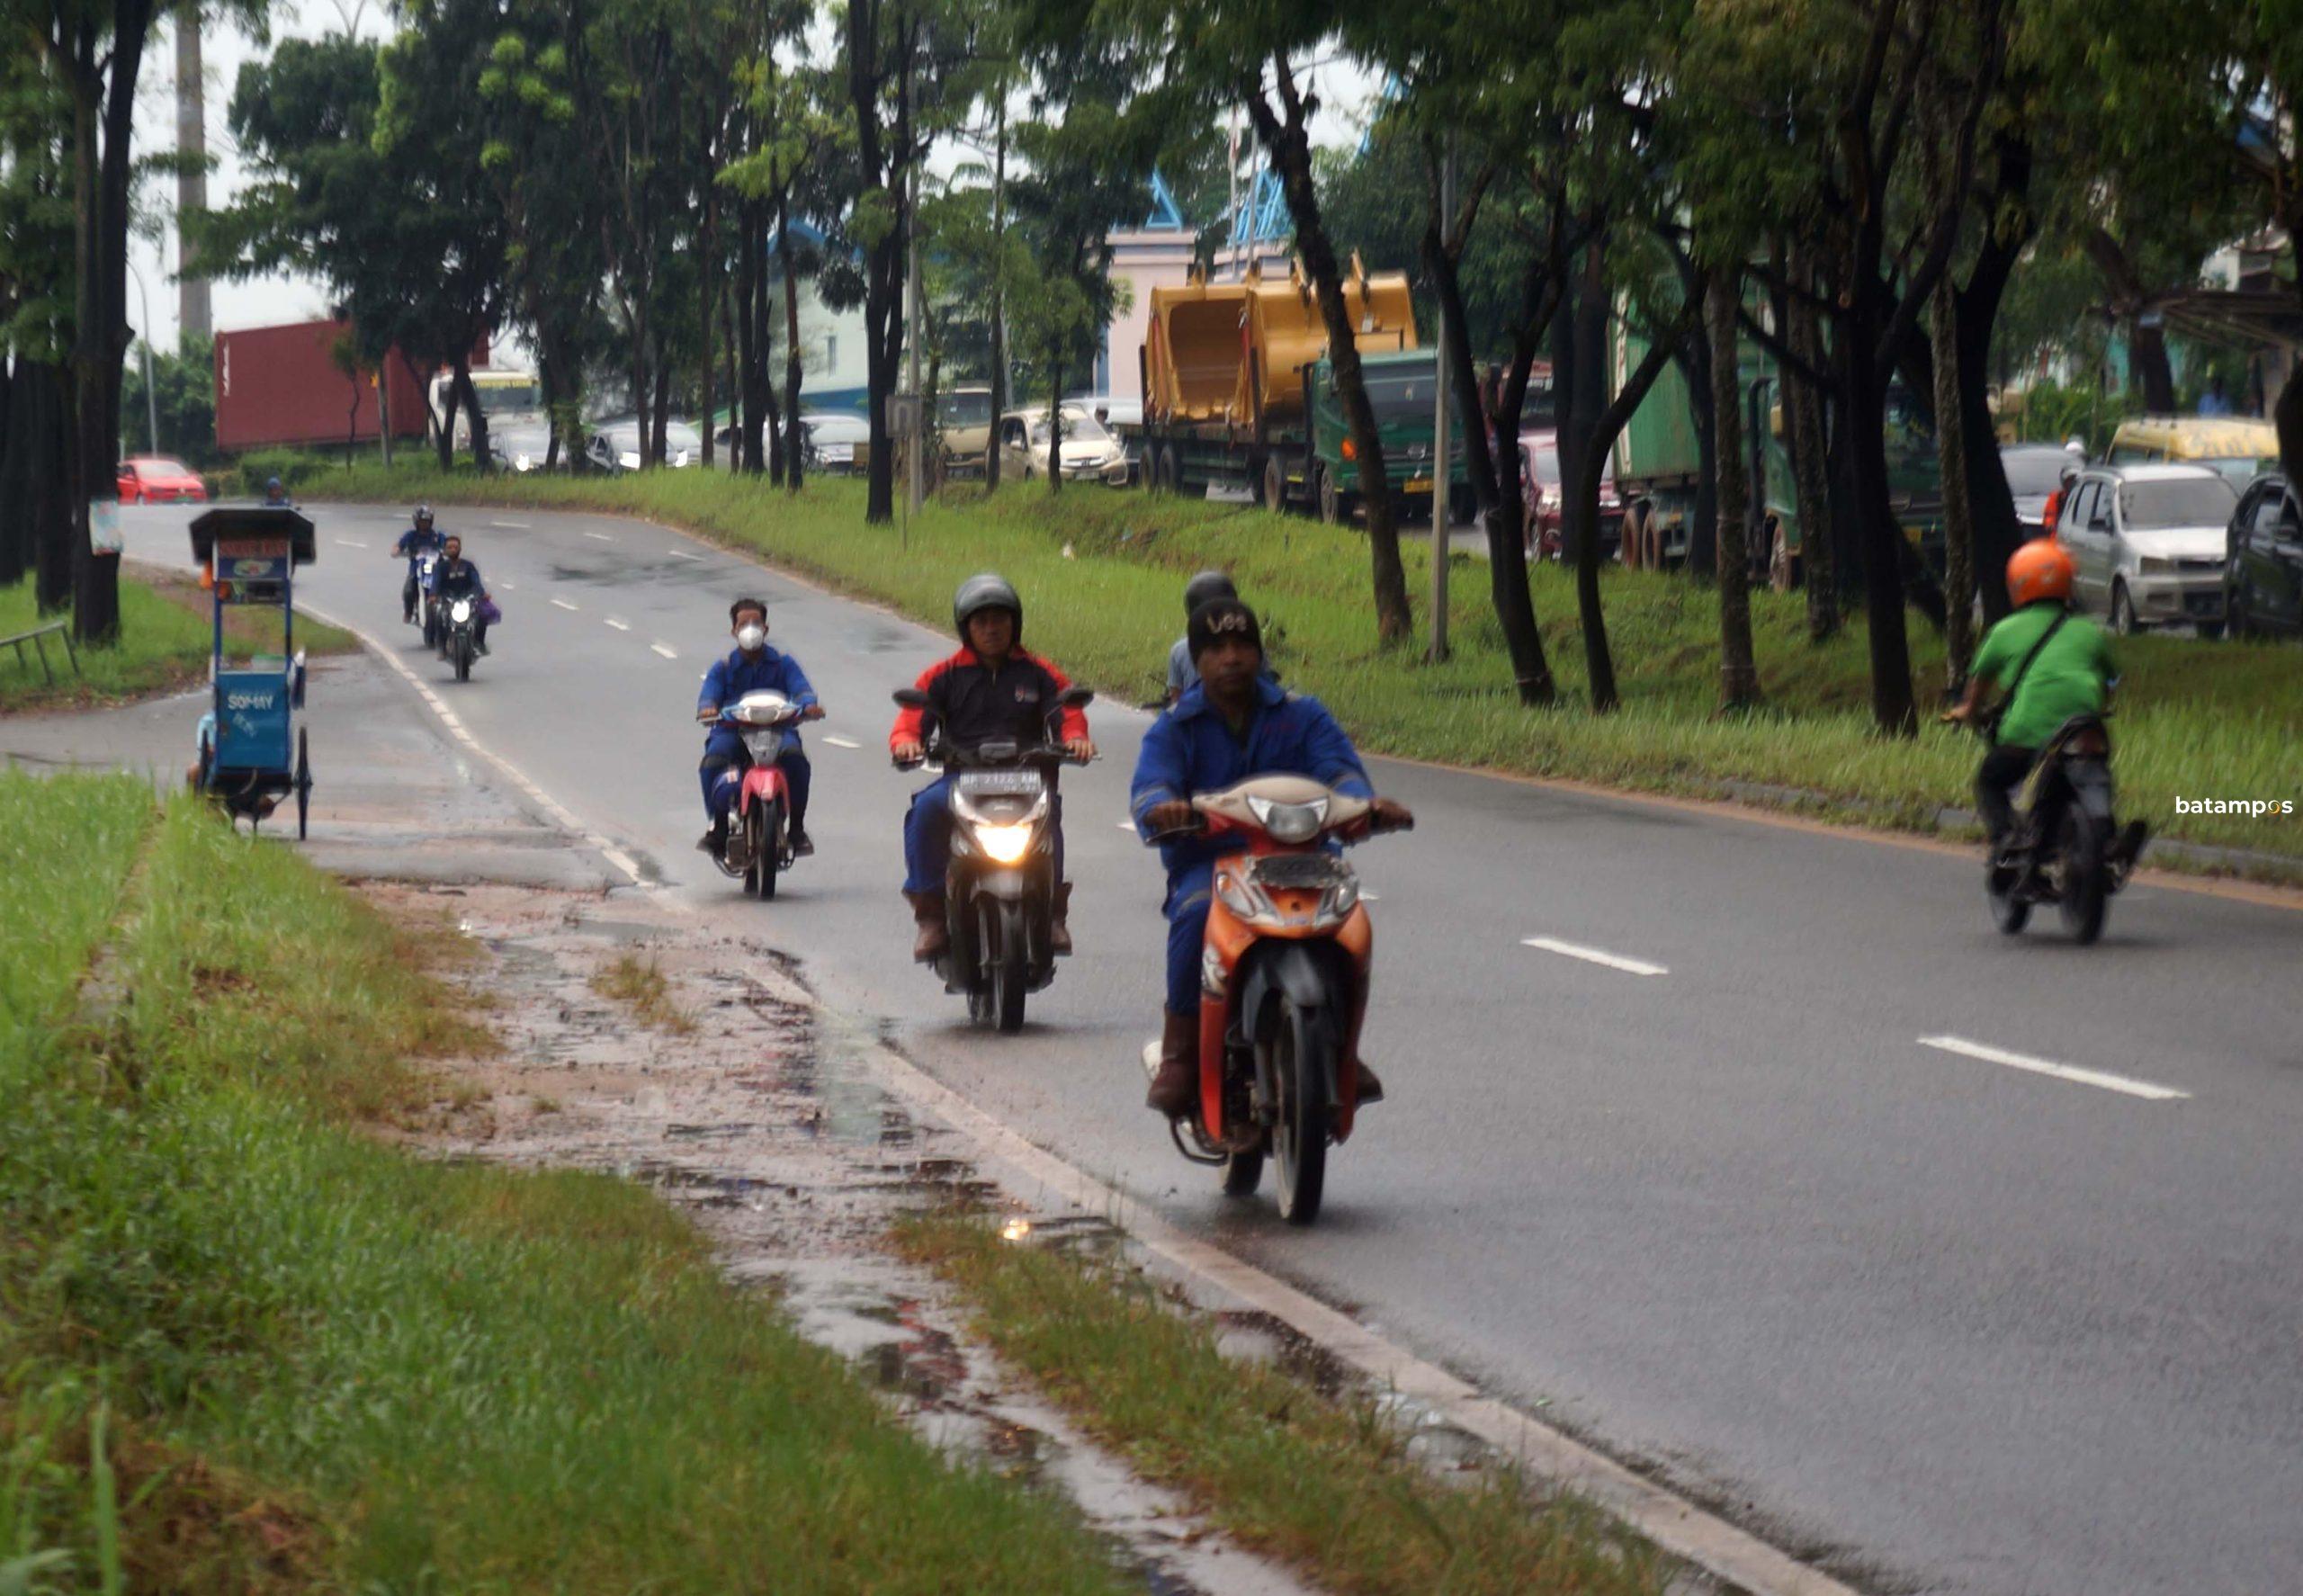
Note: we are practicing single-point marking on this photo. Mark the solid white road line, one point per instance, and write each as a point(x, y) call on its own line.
point(514, 525)
point(350, 543)
point(603, 536)
point(1595, 956)
point(619, 625)
point(682, 554)
point(841, 742)
point(563, 603)
point(2020, 1061)
point(667, 653)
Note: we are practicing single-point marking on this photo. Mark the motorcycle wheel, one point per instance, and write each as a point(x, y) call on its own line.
point(2083, 891)
point(463, 659)
point(1303, 1059)
point(1007, 971)
point(760, 828)
point(2008, 912)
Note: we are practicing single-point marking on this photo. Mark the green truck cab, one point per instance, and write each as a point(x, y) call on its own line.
point(1401, 391)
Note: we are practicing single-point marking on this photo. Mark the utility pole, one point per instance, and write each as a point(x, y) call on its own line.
point(193, 318)
point(1442, 473)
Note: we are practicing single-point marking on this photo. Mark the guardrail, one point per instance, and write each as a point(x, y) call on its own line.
point(36, 637)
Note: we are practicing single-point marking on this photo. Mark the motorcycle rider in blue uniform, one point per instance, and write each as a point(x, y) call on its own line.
point(419, 540)
point(1233, 724)
point(751, 667)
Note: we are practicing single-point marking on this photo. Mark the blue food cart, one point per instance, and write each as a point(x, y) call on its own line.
point(252, 752)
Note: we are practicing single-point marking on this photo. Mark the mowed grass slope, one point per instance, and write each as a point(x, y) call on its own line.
point(246, 1346)
point(166, 638)
point(1102, 573)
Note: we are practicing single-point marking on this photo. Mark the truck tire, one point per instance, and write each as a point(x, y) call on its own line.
point(1171, 469)
point(1335, 505)
point(1275, 485)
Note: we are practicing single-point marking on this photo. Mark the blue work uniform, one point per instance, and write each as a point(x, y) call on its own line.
point(1191, 750)
point(416, 544)
point(721, 772)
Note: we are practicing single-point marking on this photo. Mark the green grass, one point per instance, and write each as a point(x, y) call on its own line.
point(642, 986)
point(2196, 719)
point(247, 1347)
point(1327, 1484)
point(165, 638)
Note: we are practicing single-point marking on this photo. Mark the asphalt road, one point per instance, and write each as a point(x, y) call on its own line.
point(1945, 1321)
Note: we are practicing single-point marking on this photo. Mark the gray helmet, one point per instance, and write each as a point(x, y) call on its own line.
point(1207, 584)
point(986, 590)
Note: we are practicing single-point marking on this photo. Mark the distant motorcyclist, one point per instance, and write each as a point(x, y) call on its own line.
point(275, 495)
point(1234, 722)
point(454, 577)
point(991, 689)
point(2052, 664)
point(751, 666)
point(419, 540)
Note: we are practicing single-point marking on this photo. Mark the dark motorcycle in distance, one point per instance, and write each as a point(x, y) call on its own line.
point(2067, 848)
point(428, 606)
point(999, 886)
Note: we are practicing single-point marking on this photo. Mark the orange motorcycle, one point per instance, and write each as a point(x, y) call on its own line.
point(1283, 988)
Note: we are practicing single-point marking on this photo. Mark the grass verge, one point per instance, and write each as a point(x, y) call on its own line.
point(165, 638)
point(639, 986)
point(1102, 573)
point(1329, 1485)
point(245, 1347)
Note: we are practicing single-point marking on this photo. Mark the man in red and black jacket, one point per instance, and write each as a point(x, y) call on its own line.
point(991, 689)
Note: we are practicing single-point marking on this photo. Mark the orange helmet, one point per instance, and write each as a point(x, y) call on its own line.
point(2041, 569)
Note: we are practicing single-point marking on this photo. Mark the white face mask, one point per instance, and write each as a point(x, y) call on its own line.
point(751, 637)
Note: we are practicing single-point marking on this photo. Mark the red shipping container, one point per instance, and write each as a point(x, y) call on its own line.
point(281, 385)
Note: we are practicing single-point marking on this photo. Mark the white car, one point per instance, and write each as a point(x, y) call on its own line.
point(1089, 449)
point(2148, 543)
point(615, 445)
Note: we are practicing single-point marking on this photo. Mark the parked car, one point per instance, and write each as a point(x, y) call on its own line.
point(615, 445)
point(521, 446)
point(1539, 491)
point(2233, 446)
point(155, 479)
point(1089, 450)
point(2263, 574)
point(2149, 542)
point(1123, 419)
point(2035, 473)
point(833, 440)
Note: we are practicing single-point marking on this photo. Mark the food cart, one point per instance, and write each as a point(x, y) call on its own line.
point(252, 751)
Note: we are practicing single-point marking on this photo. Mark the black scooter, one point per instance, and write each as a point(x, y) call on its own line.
point(999, 886)
point(2067, 848)
point(459, 633)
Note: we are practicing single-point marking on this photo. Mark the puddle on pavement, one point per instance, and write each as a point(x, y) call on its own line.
point(766, 1125)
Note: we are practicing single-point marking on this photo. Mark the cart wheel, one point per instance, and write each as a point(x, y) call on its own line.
point(303, 780)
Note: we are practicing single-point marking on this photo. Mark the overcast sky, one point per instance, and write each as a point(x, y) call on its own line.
point(1348, 96)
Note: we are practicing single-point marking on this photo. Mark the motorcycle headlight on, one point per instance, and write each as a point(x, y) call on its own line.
point(1005, 845)
point(460, 612)
point(1001, 813)
point(1290, 822)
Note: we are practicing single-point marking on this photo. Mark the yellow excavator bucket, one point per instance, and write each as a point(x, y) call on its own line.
point(1231, 351)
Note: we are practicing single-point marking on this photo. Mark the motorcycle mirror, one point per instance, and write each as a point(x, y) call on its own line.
point(910, 697)
point(1078, 697)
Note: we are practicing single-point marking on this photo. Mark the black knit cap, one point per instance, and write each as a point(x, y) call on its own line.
point(1220, 618)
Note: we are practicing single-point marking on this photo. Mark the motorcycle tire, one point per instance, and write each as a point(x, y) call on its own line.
point(2083, 889)
point(2008, 912)
point(1008, 974)
point(303, 782)
point(463, 659)
point(762, 827)
point(1302, 1046)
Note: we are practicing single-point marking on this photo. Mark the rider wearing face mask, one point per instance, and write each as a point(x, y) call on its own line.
point(752, 668)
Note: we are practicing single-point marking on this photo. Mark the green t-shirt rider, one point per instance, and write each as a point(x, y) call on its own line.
point(2071, 674)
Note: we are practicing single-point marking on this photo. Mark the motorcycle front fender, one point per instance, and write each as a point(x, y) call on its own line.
point(1309, 974)
point(1007, 886)
point(2090, 785)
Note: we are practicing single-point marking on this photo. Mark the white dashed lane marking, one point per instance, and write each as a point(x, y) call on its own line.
point(350, 543)
point(667, 653)
point(514, 525)
point(619, 625)
point(602, 536)
point(2149, 1090)
point(563, 603)
point(841, 742)
point(682, 554)
point(1593, 956)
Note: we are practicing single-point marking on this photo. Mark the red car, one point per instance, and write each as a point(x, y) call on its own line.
point(1540, 492)
point(155, 479)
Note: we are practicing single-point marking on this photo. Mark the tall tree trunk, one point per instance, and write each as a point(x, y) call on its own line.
point(2149, 371)
point(15, 469)
point(54, 513)
point(794, 437)
point(475, 417)
point(707, 284)
point(1703, 520)
point(1739, 677)
point(1803, 413)
point(1055, 423)
point(1288, 144)
point(998, 289)
point(661, 410)
point(1863, 398)
point(1951, 460)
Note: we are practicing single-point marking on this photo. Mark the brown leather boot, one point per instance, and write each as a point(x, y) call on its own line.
point(927, 913)
point(1371, 1091)
point(1175, 1088)
point(1059, 932)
